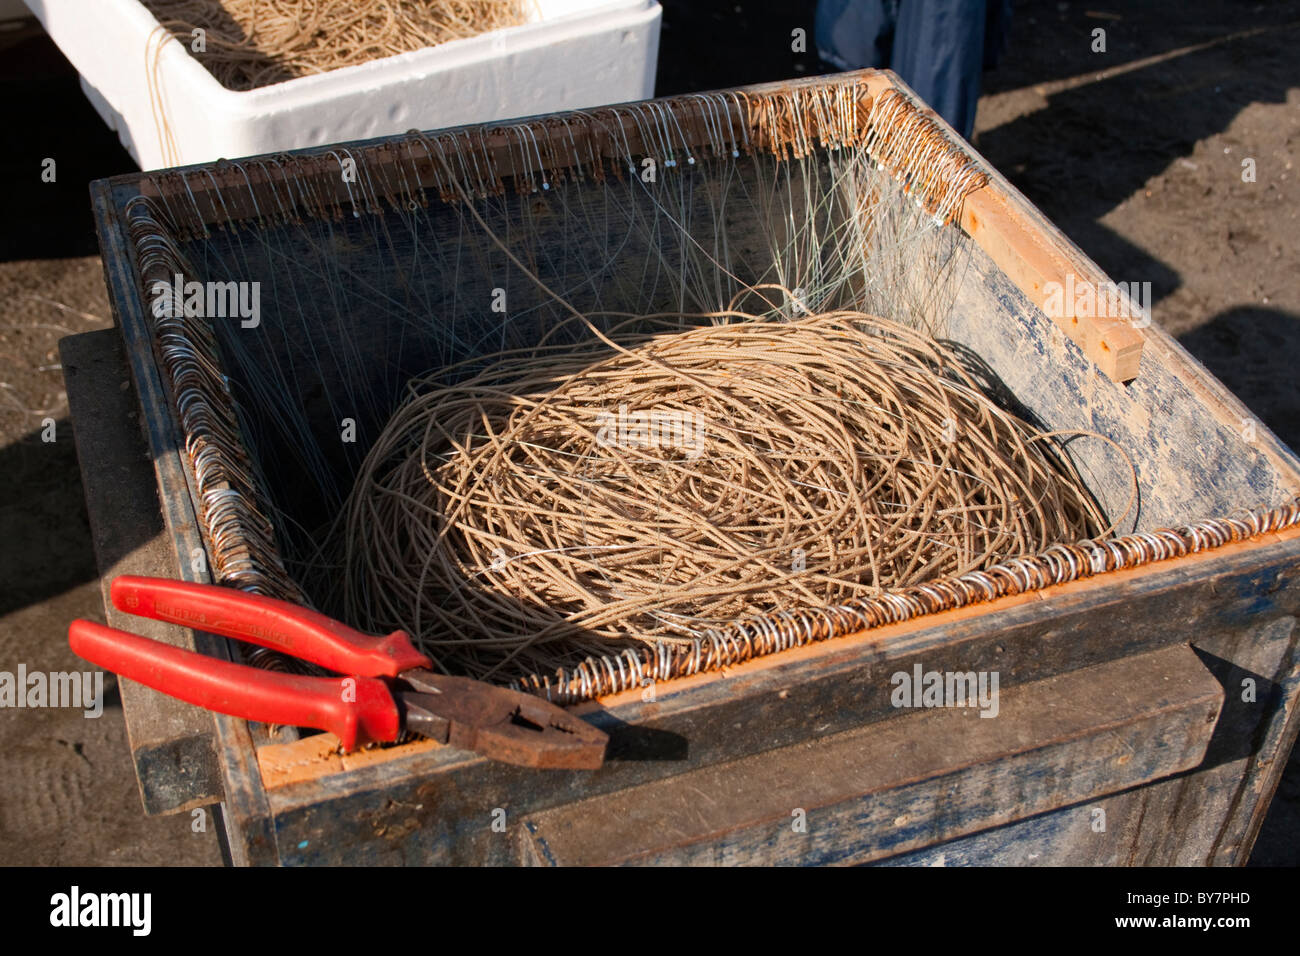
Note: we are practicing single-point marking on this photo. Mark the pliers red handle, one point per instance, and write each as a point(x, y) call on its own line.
point(390, 687)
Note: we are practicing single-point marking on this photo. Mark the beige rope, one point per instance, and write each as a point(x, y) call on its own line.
point(558, 503)
point(253, 43)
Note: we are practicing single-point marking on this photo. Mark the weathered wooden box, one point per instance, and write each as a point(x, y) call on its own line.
point(1148, 689)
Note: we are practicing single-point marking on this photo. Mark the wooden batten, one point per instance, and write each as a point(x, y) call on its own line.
point(1042, 273)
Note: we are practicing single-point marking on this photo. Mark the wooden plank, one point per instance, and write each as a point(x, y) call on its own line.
point(245, 812)
point(1280, 733)
point(1208, 817)
point(908, 782)
point(171, 741)
point(1224, 802)
point(1106, 334)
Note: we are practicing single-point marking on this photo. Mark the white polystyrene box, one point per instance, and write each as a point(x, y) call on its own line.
point(572, 54)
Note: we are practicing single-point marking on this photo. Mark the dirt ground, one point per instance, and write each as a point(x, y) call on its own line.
point(1136, 153)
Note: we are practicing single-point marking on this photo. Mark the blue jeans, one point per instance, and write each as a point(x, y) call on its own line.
point(938, 47)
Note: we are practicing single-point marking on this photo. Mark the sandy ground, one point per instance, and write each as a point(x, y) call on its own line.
point(1136, 153)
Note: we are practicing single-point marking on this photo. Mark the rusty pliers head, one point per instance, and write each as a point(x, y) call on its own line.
point(506, 725)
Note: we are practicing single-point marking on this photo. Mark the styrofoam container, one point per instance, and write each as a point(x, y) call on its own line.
point(572, 54)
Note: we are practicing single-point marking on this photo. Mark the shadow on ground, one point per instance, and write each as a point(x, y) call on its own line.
point(1253, 351)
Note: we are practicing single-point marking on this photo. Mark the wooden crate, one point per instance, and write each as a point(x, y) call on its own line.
point(1145, 716)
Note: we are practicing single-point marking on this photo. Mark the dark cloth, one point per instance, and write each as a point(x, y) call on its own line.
point(938, 47)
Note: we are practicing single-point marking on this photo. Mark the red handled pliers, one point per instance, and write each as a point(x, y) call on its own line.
point(391, 686)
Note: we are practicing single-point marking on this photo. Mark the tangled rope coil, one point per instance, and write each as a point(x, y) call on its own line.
point(253, 43)
point(566, 502)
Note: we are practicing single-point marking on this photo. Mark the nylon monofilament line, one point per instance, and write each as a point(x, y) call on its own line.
point(562, 503)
